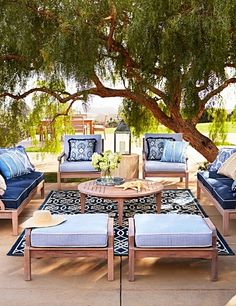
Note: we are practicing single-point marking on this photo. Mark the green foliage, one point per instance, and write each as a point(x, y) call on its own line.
point(218, 129)
point(13, 119)
point(233, 117)
point(43, 119)
point(138, 118)
point(180, 48)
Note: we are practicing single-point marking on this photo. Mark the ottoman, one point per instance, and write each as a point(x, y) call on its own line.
point(172, 235)
point(79, 236)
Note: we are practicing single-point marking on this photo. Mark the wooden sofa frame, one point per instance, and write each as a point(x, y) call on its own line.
point(227, 214)
point(78, 174)
point(194, 252)
point(100, 252)
point(182, 175)
point(13, 214)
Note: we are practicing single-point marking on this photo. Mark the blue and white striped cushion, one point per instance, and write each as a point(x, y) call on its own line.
point(14, 163)
point(174, 151)
point(171, 230)
point(83, 230)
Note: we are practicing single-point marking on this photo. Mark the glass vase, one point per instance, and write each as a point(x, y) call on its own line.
point(106, 178)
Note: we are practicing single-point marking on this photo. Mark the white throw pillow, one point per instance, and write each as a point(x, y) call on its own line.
point(229, 167)
point(3, 186)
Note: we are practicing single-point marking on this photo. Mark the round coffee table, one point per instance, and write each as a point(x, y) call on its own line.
point(118, 194)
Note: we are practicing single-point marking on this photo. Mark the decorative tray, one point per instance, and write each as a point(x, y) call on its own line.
point(110, 181)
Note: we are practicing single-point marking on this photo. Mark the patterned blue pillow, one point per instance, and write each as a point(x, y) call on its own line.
point(233, 187)
point(24, 155)
point(81, 149)
point(222, 156)
point(174, 151)
point(14, 163)
point(155, 147)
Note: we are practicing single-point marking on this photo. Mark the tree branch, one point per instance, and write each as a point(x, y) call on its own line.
point(218, 90)
point(112, 18)
point(12, 57)
point(211, 94)
point(65, 113)
point(74, 96)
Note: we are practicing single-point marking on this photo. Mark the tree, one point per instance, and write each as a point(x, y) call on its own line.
point(58, 123)
point(169, 52)
point(233, 117)
point(13, 122)
point(218, 129)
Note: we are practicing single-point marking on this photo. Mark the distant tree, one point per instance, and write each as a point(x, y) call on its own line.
point(233, 117)
point(13, 122)
point(46, 108)
point(170, 52)
point(218, 129)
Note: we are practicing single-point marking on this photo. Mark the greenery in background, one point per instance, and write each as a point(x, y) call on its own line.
point(233, 117)
point(47, 107)
point(13, 122)
point(170, 51)
point(218, 129)
point(51, 177)
point(139, 118)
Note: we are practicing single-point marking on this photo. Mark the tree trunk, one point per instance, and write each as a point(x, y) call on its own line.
point(200, 142)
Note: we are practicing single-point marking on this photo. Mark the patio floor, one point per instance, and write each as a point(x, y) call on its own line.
point(84, 282)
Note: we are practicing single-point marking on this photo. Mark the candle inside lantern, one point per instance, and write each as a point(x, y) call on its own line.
point(122, 147)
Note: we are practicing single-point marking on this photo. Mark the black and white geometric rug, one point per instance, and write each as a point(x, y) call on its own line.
point(179, 201)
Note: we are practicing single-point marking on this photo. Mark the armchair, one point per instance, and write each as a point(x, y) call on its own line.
point(153, 166)
point(75, 160)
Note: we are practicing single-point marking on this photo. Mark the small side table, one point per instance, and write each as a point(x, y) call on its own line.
point(128, 167)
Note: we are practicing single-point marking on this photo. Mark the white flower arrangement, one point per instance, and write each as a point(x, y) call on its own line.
point(105, 162)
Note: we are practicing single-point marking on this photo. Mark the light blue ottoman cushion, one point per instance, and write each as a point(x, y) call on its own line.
point(171, 230)
point(85, 230)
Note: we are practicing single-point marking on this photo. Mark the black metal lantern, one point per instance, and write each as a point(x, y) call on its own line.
point(122, 138)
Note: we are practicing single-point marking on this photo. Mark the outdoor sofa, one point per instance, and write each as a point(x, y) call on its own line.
point(219, 187)
point(22, 183)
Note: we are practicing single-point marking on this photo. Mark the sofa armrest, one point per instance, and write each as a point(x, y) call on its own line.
point(59, 158)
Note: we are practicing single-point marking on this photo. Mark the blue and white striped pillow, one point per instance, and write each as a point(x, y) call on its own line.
point(174, 151)
point(14, 163)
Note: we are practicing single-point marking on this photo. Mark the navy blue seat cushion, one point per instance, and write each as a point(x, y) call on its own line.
point(220, 187)
point(18, 188)
point(212, 181)
point(225, 196)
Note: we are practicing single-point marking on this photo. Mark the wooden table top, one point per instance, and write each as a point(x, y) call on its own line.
point(92, 188)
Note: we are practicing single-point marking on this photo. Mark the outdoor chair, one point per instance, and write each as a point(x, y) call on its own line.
point(163, 158)
point(174, 236)
point(87, 235)
point(76, 159)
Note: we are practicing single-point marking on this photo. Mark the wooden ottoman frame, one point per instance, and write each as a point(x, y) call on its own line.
point(175, 252)
point(100, 252)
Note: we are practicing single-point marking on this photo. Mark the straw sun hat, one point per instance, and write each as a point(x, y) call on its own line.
point(43, 218)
